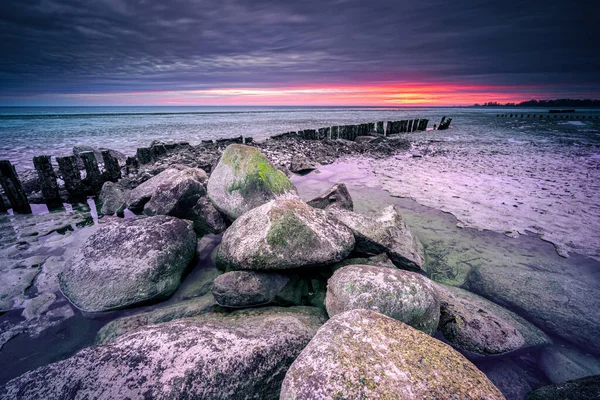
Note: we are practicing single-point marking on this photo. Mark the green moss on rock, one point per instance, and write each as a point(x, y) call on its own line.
point(245, 179)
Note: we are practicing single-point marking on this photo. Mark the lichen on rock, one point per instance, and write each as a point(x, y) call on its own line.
point(361, 354)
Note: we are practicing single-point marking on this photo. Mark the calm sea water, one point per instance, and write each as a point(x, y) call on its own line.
point(29, 131)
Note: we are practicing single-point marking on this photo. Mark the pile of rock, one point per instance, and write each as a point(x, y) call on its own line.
point(307, 261)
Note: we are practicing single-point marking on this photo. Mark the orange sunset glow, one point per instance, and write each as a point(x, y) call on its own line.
point(406, 94)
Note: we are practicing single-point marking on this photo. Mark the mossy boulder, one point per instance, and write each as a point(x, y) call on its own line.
point(244, 179)
point(242, 355)
point(402, 295)
point(361, 354)
point(283, 234)
point(385, 233)
point(475, 324)
point(127, 262)
point(248, 288)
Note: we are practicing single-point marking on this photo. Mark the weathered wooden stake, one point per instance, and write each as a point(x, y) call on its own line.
point(67, 167)
point(112, 171)
point(144, 155)
point(47, 179)
point(13, 188)
point(93, 178)
point(379, 128)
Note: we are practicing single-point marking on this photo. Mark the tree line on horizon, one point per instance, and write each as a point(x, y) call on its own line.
point(545, 103)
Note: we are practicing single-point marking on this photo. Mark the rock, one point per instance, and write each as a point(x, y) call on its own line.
point(128, 262)
point(302, 165)
point(113, 198)
point(381, 260)
point(336, 196)
point(475, 324)
point(364, 139)
point(183, 309)
point(244, 179)
point(361, 354)
point(247, 288)
point(241, 355)
point(512, 378)
point(579, 389)
point(402, 295)
point(561, 304)
point(563, 363)
point(282, 234)
point(172, 192)
point(386, 233)
point(206, 218)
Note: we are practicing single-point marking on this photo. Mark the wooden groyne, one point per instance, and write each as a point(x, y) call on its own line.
point(76, 188)
point(548, 115)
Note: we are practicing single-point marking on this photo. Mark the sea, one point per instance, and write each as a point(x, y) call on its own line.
point(26, 132)
point(504, 202)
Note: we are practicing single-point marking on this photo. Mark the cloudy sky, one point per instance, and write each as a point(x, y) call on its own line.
point(318, 52)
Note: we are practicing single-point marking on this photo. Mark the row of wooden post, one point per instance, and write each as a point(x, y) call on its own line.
point(548, 116)
point(351, 132)
point(76, 187)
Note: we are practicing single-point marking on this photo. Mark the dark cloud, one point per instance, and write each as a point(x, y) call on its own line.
point(68, 46)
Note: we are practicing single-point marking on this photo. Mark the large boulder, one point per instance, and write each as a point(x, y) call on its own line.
point(243, 355)
point(128, 262)
point(361, 354)
point(248, 288)
point(283, 234)
point(475, 324)
point(387, 233)
point(336, 196)
point(560, 303)
point(181, 309)
point(170, 192)
point(578, 389)
point(244, 179)
point(402, 295)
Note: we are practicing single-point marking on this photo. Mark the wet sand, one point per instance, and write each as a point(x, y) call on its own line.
point(513, 188)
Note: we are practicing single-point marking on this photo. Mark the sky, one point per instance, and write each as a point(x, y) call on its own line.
point(296, 52)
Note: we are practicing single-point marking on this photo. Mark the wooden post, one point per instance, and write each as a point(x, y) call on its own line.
point(112, 171)
point(334, 132)
point(13, 188)
point(67, 167)
point(47, 179)
point(144, 155)
point(410, 122)
point(160, 149)
point(93, 178)
point(379, 128)
point(131, 165)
